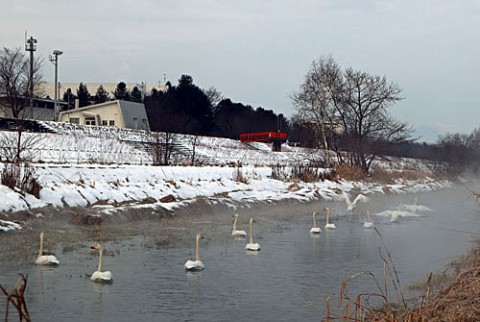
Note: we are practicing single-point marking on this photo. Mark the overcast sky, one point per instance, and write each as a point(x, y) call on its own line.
point(258, 52)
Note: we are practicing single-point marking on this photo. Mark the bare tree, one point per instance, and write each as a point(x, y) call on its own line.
point(214, 96)
point(363, 114)
point(162, 147)
point(350, 107)
point(17, 147)
point(193, 140)
point(318, 98)
point(15, 81)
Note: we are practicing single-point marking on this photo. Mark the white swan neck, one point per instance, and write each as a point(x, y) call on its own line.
point(40, 251)
point(235, 223)
point(100, 258)
point(197, 251)
point(328, 216)
point(251, 230)
point(314, 220)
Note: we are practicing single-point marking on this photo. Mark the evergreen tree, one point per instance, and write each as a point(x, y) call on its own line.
point(101, 96)
point(136, 95)
point(83, 95)
point(121, 92)
point(69, 97)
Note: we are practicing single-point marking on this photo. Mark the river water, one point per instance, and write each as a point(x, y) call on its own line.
point(287, 280)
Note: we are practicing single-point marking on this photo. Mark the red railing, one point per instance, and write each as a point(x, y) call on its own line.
point(263, 137)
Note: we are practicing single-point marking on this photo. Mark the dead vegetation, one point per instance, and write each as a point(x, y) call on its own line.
point(351, 173)
point(449, 296)
point(387, 176)
point(15, 296)
point(457, 301)
point(376, 305)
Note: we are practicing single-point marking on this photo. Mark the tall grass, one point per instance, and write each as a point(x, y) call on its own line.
point(376, 305)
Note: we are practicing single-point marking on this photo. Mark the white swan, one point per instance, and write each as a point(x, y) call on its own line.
point(236, 232)
point(98, 275)
point(368, 223)
point(352, 205)
point(195, 265)
point(415, 208)
point(396, 215)
point(45, 259)
point(329, 225)
point(315, 229)
point(251, 245)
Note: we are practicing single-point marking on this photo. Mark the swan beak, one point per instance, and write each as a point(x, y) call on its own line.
point(94, 246)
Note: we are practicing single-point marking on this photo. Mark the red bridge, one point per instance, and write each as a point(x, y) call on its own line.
point(277, 138)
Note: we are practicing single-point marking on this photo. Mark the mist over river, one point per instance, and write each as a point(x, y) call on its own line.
point(287, 280)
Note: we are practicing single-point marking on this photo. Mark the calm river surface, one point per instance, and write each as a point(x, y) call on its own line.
point(287, 280)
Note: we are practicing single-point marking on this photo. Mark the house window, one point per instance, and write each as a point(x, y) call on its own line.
point(135, 123)
point(111, 123)
point(104, 122)
point(90, 121)
point(75, 120)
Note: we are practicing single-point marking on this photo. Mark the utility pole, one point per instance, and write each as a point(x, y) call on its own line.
point(54, 60)
point(31, 46)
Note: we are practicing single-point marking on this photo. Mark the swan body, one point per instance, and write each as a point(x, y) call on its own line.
point(351, 205)
point(396, 215)
point(102, 276)
point(236, 232)
point(315, 229)
point(192, 265)
point(98, 275)
point(45, 259)
point(251, 245)
point(415, 208)
point(329, 225)
point(368, 223)
point(195, 265)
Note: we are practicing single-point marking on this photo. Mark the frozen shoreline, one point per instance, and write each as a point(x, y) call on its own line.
point(107, 190)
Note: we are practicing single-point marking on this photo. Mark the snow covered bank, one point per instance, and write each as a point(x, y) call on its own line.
point(107, 188)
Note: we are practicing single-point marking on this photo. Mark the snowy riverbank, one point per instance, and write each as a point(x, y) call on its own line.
point(110, 189)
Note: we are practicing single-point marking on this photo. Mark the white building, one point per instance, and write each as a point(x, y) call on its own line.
point(49, 88)
point(120, 114)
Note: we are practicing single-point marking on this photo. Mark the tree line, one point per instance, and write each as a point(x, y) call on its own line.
point(186, 108)
point(343, 110)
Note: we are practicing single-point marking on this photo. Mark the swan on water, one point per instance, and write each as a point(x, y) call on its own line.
point(195, 265)
point(396, 215)
point(251, 245)
point(351, 205)
point(368, 223)
point(329, 225)
point(236, 232)
point(415, 208)
point(315, 229)
point(98, 275)
point(45, 259)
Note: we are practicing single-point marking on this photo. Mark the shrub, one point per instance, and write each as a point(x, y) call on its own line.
point(349, 172)
point(238, 175)
point(279, 172)
point(21, 177)
point(386, 176)
point(306, 172)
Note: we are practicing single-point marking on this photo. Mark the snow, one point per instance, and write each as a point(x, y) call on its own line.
point(113, 184)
